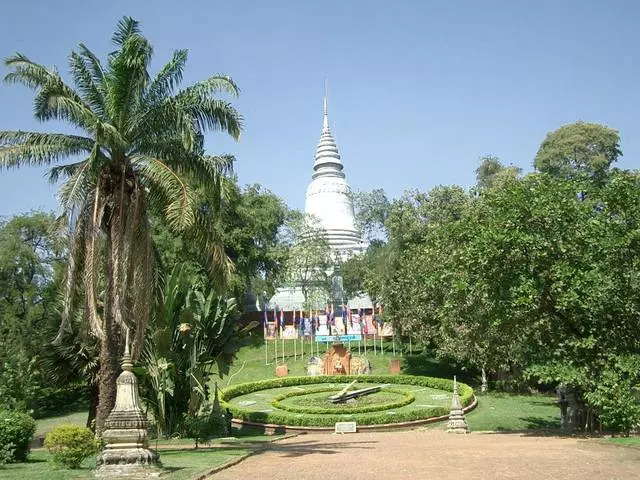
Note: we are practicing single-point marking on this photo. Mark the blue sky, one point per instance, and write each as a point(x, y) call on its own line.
point(419, 90)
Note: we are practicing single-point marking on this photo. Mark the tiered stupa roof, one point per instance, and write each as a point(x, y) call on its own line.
point(328, 195)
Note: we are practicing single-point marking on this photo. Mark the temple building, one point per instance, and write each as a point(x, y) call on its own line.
point(328, 198)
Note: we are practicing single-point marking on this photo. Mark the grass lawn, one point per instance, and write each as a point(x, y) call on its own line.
point(250, 364)
point(626, 441)
point(504, 412)
point(43, 425)
point(180, 462)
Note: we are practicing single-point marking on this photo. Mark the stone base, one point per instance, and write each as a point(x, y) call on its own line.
point(108, 472)
point(133, 459)
point(457, 425)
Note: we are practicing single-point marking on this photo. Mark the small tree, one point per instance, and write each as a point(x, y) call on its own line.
point(309, 262)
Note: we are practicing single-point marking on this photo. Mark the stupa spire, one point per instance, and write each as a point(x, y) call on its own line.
point(325, 118)
point(327, 157)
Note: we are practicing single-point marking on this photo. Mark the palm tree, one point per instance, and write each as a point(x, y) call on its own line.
point(139, 151)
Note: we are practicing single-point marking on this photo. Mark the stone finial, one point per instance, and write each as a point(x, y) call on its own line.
point(457, 422)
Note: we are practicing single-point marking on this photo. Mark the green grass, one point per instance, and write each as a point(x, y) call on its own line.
point(250, 363)
point(180, 463)
point(626, 441)
point(505, 412)
point(43, 425)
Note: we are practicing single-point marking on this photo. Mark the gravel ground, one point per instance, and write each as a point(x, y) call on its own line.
point(434, 454)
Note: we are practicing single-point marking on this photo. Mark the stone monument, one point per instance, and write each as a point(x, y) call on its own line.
point(127, 451)
point(314, 366)
point(337, 361)
point(360, 366)
point(457, 422)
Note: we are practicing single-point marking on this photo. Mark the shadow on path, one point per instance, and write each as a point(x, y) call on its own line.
point(299, 449)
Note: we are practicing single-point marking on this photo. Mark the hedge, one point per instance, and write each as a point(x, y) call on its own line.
point(409, 397)
point(328, 420)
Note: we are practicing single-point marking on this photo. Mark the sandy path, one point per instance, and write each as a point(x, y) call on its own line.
point(434, 454)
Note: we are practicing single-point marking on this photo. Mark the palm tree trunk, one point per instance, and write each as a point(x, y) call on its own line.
point(109, 349)
point(94, 397)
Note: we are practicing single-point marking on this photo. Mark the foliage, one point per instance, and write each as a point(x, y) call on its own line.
point(193, 336)
point(205, 425)
point(249, 223)
point(6, 453)
point(70, 445)
point(579, 149)
point(371, 210)
point(30, 269)
point(535, 274)
point(139, 148)
point(492, 171)
point(16, 431)
point(54, 400)
point(308, 260)
point(616, 395)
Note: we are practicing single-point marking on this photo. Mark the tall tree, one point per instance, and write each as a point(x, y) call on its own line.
point(141, 144)
point(31, 265)
point(579, 149)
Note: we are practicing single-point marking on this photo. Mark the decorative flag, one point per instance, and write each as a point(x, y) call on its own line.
point(266, 320)
point(281, 320)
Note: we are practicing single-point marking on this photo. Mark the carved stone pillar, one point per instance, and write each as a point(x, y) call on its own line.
point(457, 422)
point(127, 451)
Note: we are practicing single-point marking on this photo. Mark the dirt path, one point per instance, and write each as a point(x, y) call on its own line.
point(434, 454)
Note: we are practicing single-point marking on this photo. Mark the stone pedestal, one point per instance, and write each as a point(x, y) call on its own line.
point(127, 451)
point(457, 422)
point(394, 366)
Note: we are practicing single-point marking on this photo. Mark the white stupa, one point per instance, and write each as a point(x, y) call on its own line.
point(328, 196)
point(328, 199)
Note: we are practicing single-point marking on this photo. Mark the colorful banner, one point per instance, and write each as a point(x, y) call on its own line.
point(338, 338)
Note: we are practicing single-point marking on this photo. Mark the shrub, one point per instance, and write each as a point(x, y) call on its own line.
point(6, 453)
point(70, 445)
point(16, 431)
point(204, 426)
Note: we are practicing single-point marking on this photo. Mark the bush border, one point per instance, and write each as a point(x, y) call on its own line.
point(409, 397)
point(328, 420)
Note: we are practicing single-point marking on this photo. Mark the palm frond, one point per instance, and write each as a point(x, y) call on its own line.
point(169, 189)
point(93, 63)
point(85, 82)
point(167, 79)
point(125, 29)
point(34, 149)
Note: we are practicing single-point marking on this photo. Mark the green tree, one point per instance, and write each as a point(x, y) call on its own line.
point(141, 144)
point(491, 171)
point(31, 261)
point(371, 209)
point(579, 149)
point(308, 263)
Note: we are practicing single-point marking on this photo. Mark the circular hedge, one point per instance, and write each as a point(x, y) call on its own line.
point(407, 398)
point(283, 416)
